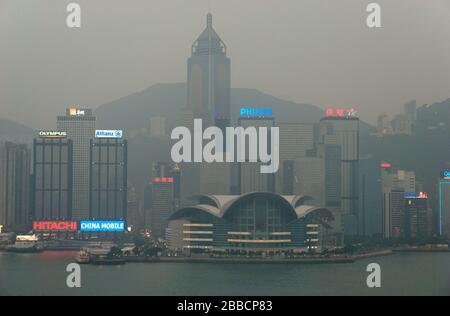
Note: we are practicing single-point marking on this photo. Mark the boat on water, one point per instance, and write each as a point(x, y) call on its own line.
point(25, 247)
point(83, 257)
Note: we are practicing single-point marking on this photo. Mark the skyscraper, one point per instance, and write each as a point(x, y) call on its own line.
point(295, 141)
point(395, 183)
point(14, 186)
point(80, 127)
point(208, 82)
point(444, 204)
point(370, 203)
point(417, 216)
point(344, 131)
point(161, 205)
point(108, 198)
point(250, 176)
point(53, 166)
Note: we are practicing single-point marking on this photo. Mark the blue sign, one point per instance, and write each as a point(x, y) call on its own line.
point(446, 174)
point(108, 134)
point(256, 112)
point(416, 195)
point(102, 226)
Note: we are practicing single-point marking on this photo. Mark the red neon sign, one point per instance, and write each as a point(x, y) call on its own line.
point(55, 226)
point(385, 165)
point(163, 180)
point(330, 112)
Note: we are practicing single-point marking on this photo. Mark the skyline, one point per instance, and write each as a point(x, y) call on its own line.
point(415, 67)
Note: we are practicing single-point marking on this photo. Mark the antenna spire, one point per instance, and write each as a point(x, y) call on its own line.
point(209, 20)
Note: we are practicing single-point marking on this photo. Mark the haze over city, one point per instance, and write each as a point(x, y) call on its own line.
point(315, 52)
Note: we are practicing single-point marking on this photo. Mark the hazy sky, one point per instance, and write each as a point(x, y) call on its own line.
point(307, 51)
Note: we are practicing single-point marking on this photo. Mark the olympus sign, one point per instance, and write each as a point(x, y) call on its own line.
point(45, 134)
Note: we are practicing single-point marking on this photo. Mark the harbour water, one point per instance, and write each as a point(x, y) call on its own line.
point(402, 274)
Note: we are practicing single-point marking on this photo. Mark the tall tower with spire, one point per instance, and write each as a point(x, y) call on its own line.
point(209, 82)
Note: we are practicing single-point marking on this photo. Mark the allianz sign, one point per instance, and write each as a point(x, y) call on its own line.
point(108, 134)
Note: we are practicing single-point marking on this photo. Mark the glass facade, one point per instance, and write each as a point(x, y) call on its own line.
point(53, 169)
point(108, 179)
point(254, 222)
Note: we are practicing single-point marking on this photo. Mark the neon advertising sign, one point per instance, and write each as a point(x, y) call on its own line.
point(102, 226)
point(163, 180)
point(331, 112)
point(55, 226)
point(445, 175)
point(416, 195)
point(108, 134)
point(256, 112)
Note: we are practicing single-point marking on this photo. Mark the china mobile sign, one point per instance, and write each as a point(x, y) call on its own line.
point(56, 226)
point(102, 226)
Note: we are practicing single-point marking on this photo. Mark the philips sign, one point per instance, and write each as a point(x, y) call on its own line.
point(102, 226)
point(256, 112)
point(108, 134)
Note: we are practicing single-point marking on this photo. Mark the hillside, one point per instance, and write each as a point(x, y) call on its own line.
point(133, 111)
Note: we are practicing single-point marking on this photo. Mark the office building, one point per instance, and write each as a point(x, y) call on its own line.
point(135, 221)
point(15, 161)
point(395, 183)
point(161, 205)
point(343, 130)
point(295, 141)
point(310, 178)
point(417, 216)
point(108, 198)
point(204, 178)
point(318, 175)
point(157, 127)
point(444, 205)
point(394, 218)
point(52, 179)
point(249, 173)
point(208, 83)
point(79, 124)
point(370, 202)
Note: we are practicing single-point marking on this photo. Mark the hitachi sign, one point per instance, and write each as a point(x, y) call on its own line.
point(55, 226)
point(45, 134)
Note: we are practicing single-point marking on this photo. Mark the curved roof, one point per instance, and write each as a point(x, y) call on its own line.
point(240, 198)
point(305, 210)
point(221, 204)
point(201, 207)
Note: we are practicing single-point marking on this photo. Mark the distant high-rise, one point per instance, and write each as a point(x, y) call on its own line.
point(14, 186)
point(250, 177)
point(344, 131)
point(395, 183)
point(370, 203)
point(157, 127)
point(417, 216)
point(208, 82)
point(161, 205)
point(443, 214)
point(108, 198)
point(310, 178)
point(80, 127)
point(295, 141)
point(53, 174)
